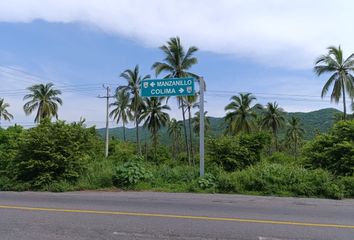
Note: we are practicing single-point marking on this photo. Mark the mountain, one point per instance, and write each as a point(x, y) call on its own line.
point(313, 122)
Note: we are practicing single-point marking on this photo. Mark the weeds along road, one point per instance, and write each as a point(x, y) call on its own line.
point(146, 215)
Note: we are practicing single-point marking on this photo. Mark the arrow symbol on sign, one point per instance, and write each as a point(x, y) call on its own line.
point(152, 84)
point(181, 90)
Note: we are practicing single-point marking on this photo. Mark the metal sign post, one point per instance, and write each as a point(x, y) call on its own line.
point(201, 127)
point(178, 87)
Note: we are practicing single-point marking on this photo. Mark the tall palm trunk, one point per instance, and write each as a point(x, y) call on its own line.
point(295, 146)
point(190, 134)
point(275, 139)
point(174, 146)
point(124, 138)
point(137, 134)
point(185, 134)
point(344, 103)
point(155, 140)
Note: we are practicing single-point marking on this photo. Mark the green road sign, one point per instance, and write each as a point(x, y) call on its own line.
point(167, 87)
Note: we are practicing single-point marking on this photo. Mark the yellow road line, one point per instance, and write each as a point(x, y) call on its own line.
point(138, 214)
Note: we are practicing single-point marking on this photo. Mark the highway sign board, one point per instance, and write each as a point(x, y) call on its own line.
point(167, 87)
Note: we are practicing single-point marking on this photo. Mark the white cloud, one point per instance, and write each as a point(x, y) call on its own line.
point(273, 32)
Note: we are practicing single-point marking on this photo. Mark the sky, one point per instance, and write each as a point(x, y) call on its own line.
point(267, 48)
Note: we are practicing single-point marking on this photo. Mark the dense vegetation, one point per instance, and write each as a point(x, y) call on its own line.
point(61, 157)
point(254, 149)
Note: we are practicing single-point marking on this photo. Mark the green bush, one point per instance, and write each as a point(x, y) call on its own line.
point(229, 183)
point(161, 155)
point(289, 179)
point(130, 173)
point(282, 158)
point(348, 184)
point(53, 152)
point(176, 174)
point(10, 139)
point(235, 153)
point(121, 151)
point(8, 184)
point(99, 174)
point(333, 151)
point(208, 181)
point(182, 157)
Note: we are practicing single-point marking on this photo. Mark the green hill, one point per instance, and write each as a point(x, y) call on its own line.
point(313, 122)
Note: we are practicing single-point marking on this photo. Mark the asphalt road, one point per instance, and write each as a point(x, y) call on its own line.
point(145, 215)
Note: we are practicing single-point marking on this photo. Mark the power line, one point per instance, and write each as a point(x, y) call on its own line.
point(90, 87)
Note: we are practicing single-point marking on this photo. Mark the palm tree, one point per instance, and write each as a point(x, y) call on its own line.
point(121, 109)
point(341, 78)
point(4, 114)
point(176, 64)
point(190, 102)
point(196, 123)
point(133, 78)
point(45, 99)
point(273, 119)
point(174, 131)
point(294, 133)
point(241, 115)
point(154, 116)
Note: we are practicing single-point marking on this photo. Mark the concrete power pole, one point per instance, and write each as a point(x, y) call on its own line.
point(107, 97)
point(201, 127)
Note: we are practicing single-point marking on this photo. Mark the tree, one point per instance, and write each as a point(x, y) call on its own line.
point(54, 152)
point(333, 151)
point(154, 116)
point(341, 78)
point(44, 99)
point(273, 119)
point(241, 114)
point(4, 114)
point(294, 133)
point(196, 123)
point(174, 131)
point(176, 64)
point(121, 109)
point(133, 78)
point(236, 153)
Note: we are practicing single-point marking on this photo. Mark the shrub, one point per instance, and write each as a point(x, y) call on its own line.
point(53, 152)
point(289, 179)
point(333, 151)
point(282, 158)
point(10, 139)
point(130, 173)
point(161, 155)
point(122, 151)
point(230, 183)
point(348, 184)
point(182, 157)
point(208, 181)
point(235, 153)
point(98, 174)
point(176, 174)
point(8, 184)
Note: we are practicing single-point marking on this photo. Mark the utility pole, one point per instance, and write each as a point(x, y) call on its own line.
point(201, 127)
point(107, 97)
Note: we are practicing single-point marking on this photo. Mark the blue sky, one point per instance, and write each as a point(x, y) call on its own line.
point(81, 46)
